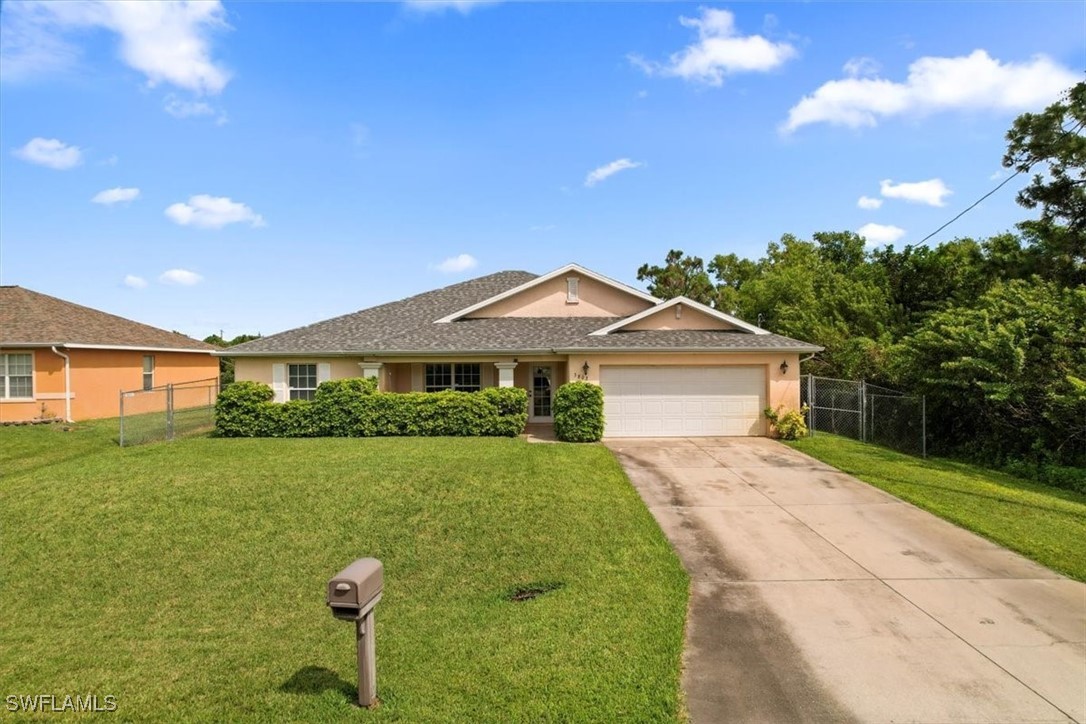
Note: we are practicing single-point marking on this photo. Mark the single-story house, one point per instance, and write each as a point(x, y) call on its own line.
point(667, 368)
point(63, 360)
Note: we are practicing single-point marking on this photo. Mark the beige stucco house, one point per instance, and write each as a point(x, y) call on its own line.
point(667, 368)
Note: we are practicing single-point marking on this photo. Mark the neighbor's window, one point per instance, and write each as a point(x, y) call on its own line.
point(18, 375)
point(446, 376)
point(302, 381)
point(573, 294)
point(148, 371)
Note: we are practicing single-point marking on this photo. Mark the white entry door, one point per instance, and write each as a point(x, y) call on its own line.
point(683, 401)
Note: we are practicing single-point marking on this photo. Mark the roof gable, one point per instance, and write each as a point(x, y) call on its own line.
point(658, 318)
point(29, 318)
point(545, 296)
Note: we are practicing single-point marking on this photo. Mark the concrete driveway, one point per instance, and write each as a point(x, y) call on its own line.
point(816, 597)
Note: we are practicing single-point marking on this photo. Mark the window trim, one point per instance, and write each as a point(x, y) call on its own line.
point(5, 385)
point(291, 389)
point(147, 373)
point(456, 371)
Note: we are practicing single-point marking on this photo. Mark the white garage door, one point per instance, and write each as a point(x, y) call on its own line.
point(683, 401)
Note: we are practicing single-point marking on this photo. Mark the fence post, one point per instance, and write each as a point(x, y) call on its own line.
point(121, 436)
point(924, 426)
point(169, 411)
point(811, 403)
point(863, 411)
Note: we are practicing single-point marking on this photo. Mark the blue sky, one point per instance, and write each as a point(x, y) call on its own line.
point(253, 167)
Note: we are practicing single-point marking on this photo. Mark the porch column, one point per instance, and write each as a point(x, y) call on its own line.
point(505, 373)
point(371, 369)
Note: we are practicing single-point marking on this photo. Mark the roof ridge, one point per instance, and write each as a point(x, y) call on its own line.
point(39, 318)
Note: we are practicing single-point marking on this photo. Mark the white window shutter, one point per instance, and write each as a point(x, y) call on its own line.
point(279, 382)
point(324, 372)
point(418, 381)
point(486, 374)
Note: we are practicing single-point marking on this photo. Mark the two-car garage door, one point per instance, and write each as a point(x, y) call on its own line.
point(683, 401)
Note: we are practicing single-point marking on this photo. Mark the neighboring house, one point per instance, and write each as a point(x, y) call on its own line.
point(667, 368)
point(59, 359)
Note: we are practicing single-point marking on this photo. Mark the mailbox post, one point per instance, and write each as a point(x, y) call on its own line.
point(352, 596)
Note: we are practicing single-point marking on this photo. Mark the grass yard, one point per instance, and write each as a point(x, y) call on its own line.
point(187, 579)
point(1040, 522)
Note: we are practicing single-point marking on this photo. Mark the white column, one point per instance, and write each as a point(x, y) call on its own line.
point(505, 373)
point(371, 369)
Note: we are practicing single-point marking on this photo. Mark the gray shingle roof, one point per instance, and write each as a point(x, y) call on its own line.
point(32, 318)
point(408, 327)
point(364, 330)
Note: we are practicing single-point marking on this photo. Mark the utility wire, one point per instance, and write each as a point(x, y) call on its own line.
point(1004, 182)
point(971, 206)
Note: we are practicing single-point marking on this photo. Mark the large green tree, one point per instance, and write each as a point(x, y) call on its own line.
point(1054, 140)
point(1006, 375)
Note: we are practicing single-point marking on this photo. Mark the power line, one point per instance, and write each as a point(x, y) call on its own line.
point(1004, 182)
point(971, 206)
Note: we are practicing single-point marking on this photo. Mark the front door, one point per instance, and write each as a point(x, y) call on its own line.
point(541, 394)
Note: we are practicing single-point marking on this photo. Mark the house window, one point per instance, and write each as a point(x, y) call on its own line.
point(148, 371)
point(447, 376)
point(302, 381)
point(573, 290)
point(18, 375)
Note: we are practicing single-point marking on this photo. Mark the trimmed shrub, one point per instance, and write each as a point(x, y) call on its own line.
point(239, 410)
point(578, 412)
point(790, 425)
point(354, 408)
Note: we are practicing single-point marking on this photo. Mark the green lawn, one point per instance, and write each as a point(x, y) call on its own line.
point(1043, 523)
point(187, 578)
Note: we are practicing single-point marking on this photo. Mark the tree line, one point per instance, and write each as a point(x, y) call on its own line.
point(992, 330)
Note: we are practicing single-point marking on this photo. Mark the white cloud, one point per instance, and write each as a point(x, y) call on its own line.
point(166, 41)
point(213, 212)
point(971, 82)
point(719, 51)
point(610, 169)
point(181, 108)
point(997, 175)
point(458, 263)
point(134, 282)
point(932, 192)
point(115, 196)
point(180, 277)
point(439, 6)
point(880, 233)
point(861, 67)
point(50, 152)
point(866, 202)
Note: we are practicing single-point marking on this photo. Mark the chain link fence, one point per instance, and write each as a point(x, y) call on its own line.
point(865, 412)
point(168, 412)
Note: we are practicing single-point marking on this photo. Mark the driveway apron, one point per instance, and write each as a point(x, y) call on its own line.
point(816, 597)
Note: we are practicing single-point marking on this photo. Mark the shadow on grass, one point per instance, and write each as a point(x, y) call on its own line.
point(317, 680)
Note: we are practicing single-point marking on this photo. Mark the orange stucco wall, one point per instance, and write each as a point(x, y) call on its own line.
point(549, 300)
point(98, 377)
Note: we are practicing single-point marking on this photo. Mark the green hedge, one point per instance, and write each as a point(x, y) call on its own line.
point(354, 408)
point(578, 412)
